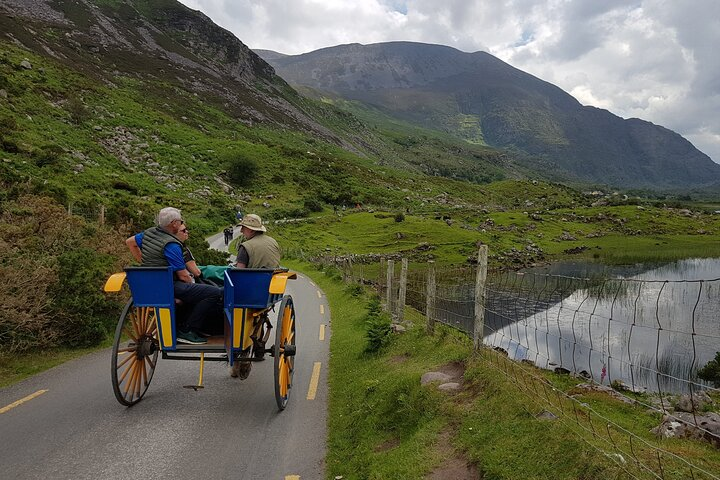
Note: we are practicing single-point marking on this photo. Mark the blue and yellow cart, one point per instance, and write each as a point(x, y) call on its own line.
point(147, 328)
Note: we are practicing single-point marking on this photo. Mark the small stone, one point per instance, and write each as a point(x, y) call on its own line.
point(449, 387)
point(3, 93)
point(26, 64)
point(431, 377)
point(545, 415)
point(97, 128)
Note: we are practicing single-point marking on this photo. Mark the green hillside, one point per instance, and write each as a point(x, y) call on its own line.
point(106, 131)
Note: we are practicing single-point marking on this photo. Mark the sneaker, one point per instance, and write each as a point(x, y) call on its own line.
point(190, 337)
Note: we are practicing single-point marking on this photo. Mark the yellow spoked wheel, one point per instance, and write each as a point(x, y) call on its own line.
point(135, 353)
point(284, 351)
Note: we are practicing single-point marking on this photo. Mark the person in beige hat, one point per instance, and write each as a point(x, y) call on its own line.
point(259, 250)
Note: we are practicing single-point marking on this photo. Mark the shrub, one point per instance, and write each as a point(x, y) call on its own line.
point(399, 217)
point(78, 297)
point(355, 289)
point(241, 169)
point(377, 327)
point(48, 155)
point(77, 110)
point(312, 205)
point(711, 371)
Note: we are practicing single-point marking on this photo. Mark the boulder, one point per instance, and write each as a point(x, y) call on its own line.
point(26, 64)
point(704, 427)
point(694, 403)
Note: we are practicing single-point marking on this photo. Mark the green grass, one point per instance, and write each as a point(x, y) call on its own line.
point(382, 424)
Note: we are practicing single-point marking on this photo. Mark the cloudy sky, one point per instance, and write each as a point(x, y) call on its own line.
point(650, 59)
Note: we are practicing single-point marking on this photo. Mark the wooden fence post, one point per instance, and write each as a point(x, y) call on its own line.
point(101, 219)
point(430, 298)
point(403, 290)
point(480, 279)
point(381, 280)
point(70, 207)
point(389, 282)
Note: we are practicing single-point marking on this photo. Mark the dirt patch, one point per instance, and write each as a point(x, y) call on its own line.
point(455, 466)
point(399, 359)
point(455, 369)
point(455, 469)
point(387, 445)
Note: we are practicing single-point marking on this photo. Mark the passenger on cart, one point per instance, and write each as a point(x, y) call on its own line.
point(160, 247)
point(259, 250)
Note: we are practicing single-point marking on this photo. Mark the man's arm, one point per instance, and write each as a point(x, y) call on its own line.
point(134, 249)
point(242, 258)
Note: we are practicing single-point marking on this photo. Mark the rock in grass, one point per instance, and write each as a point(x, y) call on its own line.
point(694, 403)
point(431, 377)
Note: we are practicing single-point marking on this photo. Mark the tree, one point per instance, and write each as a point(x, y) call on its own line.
point(241, 169)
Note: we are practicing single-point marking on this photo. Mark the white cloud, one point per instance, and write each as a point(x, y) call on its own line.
point(650, 59)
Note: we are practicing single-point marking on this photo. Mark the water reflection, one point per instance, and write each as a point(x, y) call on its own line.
point(648, 327)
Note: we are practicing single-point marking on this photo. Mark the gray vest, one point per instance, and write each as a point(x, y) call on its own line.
point(153, 247)
point(263, 250)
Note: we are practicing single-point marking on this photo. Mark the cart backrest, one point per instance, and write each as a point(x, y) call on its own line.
point(151, 286)
point(249, 287)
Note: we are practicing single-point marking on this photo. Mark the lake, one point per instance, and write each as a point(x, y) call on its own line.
point(649, 326)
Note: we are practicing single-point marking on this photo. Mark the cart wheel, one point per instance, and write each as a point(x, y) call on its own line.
point(134, 354)
point(284, 351)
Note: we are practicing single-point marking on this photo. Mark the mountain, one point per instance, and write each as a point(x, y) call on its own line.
point(161, 40)
point(479, 98)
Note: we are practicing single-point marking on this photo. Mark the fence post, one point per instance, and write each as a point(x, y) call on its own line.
point(351, 274)
point(479, 323)
point(70, 207)
point(430, 298)
point(403, 290)
point(389, 281)
point(101, 220)
point(381, 280)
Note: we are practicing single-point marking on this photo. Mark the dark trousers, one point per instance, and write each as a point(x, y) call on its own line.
point(204, 300)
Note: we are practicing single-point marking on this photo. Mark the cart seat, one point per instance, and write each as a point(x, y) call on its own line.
point(248, 287)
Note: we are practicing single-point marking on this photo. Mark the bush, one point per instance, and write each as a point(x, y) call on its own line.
point(48, 155)
point(711, 371)
point(77, 110)
point(378, 329)
point(312, 205)
point(399, 217)
point(354, 289)
point(241, 169)
point(79, 299)
point(52, 268)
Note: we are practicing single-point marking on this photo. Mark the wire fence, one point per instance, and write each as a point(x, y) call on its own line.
point(641, 340)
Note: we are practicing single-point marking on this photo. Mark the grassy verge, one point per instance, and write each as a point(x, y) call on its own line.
point(14, 368)
point(383, 424)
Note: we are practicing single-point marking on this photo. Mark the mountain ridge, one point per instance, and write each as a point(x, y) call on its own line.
point(441, 87)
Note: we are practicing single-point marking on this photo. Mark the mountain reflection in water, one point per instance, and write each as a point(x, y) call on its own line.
point(650, 327)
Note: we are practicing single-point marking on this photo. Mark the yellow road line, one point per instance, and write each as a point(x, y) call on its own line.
point(314, 381)
point(22, 400)
point(322, 309)
point(292, 477)
point(319, 295)
point(322, 332)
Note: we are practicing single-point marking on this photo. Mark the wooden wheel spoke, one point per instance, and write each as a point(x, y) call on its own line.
point(128, 349)
point(130, 335)
point(152, 364)
point(125, 360)
point(125, 372)
point(131, 381)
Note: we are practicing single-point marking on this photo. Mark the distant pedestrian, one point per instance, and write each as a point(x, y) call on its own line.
point(227, 235)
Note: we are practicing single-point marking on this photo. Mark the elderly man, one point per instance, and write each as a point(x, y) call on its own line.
point(258, 250)
point(160, 247)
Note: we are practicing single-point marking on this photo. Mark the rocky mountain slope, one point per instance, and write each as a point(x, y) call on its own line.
point(477, 97)
point(157, 40)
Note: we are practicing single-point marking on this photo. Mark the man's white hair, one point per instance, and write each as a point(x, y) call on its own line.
point(167, 215)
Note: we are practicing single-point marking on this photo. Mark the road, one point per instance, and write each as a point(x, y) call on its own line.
point(66, 424)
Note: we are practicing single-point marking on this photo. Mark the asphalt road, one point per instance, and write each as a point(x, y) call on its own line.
point(73, 428)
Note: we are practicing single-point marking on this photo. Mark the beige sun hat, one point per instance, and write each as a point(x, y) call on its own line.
point(253, 222)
